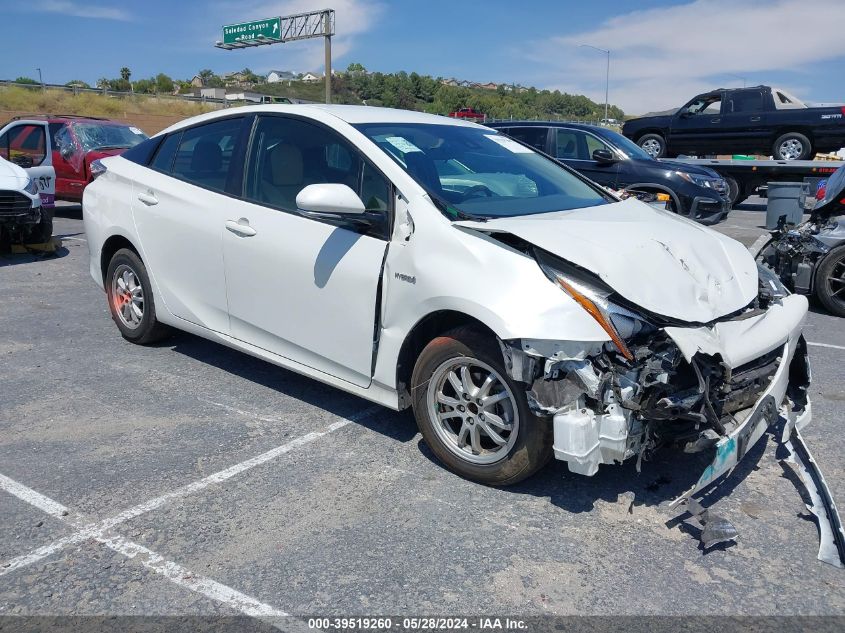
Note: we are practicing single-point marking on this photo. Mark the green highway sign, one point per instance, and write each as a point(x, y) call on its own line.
point(270, 28)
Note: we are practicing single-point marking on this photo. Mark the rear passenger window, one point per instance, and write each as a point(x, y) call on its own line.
point(533, 136)
point(163, 160)
point(205, 153)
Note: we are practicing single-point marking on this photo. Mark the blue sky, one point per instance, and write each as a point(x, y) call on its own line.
point(662, 51)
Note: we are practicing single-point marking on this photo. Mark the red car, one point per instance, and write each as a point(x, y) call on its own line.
point(467, 113)
point(78, 141)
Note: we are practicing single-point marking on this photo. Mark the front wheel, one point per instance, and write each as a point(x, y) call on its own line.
point(792, 146)
point(472, 415)
point(830, 281)
point(653, 144)
point(131, 299)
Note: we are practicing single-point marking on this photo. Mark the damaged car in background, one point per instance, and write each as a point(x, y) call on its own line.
point(810, 258)
point(522, 311)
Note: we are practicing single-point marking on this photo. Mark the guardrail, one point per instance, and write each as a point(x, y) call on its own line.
point(114, 93)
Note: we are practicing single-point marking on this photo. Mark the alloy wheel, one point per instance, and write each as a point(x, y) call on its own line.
point(835, 282)
point(128, 296)
point(473, 411)
point(652, 147)
point(791, 149)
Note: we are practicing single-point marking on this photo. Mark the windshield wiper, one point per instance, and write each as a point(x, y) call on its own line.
point(453, 212)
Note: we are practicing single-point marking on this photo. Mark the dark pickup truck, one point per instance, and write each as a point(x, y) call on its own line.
point(762, 120)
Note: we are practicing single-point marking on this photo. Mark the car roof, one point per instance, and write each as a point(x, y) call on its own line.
point(352, 114)
point(577, 126)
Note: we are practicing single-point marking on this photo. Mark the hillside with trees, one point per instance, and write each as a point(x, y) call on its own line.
point(410, 91)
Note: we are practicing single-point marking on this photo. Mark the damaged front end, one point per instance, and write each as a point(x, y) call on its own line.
point(658, 382)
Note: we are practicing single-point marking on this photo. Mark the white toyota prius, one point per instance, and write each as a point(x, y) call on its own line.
point(419, 261)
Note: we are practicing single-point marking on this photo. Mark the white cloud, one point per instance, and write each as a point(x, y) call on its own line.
point(80, 10)
point(353, 18)
point(662, 57)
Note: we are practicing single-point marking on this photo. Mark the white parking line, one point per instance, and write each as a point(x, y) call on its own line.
point(827, 345)
point(97, 529)
point(172, 571)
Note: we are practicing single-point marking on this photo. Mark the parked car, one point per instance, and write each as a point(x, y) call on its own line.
point(521, 310)
point(467, 113)
point(763, 120)
point(78, 141)
point(21, 217)
point(810, 259)
point(26, 142)
point(610, 159)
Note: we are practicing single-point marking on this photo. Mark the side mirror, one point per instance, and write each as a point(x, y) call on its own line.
point(603, 156)
point(329, 199)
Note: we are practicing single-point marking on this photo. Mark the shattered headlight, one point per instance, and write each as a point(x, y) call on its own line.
point(620, 323)
point(31, 187)
point(769, 282)
point(701, 181)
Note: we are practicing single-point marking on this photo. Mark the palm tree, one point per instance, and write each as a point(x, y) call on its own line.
point(125, 73)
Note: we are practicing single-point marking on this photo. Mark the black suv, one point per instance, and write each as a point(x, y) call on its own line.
point(610, 159)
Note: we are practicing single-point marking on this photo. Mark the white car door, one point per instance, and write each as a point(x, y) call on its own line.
point(298, 287)
point(179, 206)
point(26, 143)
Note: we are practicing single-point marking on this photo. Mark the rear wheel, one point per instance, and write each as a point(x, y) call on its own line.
point(131, 299)
point(792, 146)
point(472, 415)
point(830, 281)
point(653, 144)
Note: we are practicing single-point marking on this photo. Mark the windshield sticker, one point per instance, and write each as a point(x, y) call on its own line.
point(135, 130)
point(402, 144)
point(509, 144)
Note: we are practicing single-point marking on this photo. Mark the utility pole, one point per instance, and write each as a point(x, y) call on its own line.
point(327, 28)
point(41, 81)
point(606, 76)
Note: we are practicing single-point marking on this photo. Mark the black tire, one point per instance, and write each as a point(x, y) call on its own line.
point(830, 281)
point(782, 144)
point(149, 330)
point(654, 141)
point(532, 447)
point(43, 231)
point(733, 190)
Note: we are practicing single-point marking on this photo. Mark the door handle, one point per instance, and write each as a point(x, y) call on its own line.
point(755, 118)
point(715, 120)
point(148, 199)
point(241, 227)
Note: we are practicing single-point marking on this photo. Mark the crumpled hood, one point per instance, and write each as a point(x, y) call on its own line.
point(661, 262)
point(12, 177)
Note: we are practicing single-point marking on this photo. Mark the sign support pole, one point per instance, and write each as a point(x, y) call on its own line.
point(328, 30)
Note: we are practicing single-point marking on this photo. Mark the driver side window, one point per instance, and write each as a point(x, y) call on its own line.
point(706, 105)
point(287, 155)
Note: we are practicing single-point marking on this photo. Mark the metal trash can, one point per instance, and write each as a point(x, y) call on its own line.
point(785, 198)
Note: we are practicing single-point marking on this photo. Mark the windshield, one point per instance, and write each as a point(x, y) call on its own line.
point(626, 146)
point(478, 173)
point(96, 136)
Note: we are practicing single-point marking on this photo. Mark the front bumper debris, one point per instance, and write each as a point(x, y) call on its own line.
point(717, 387)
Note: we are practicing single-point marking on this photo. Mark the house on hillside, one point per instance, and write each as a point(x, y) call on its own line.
point(450, 82)
point(311, 78)
point(197, 82)
point(276, 76)
point(488, 86)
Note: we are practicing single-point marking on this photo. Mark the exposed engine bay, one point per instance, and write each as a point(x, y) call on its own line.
point(810, 258)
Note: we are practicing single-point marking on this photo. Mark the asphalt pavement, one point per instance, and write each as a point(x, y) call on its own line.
point(186, 478)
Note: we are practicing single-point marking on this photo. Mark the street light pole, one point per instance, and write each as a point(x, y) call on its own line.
point(41, 81)
point(606, 76)
point(327, 28)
